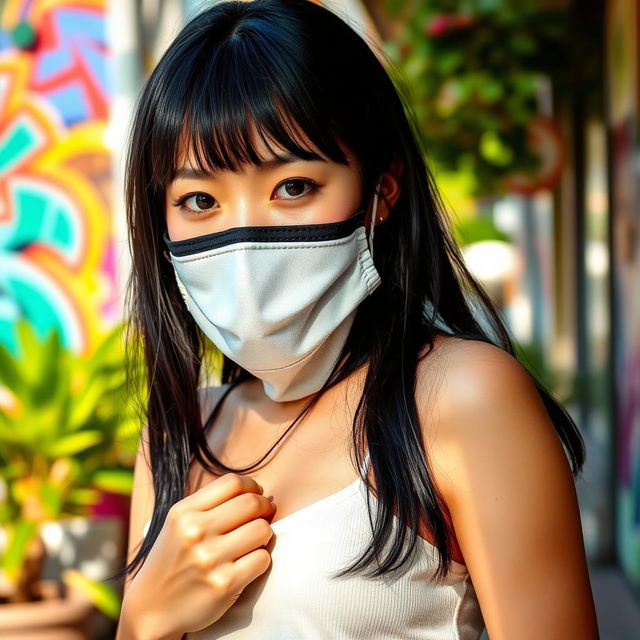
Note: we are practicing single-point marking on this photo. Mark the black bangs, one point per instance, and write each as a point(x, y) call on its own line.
point(224, 93)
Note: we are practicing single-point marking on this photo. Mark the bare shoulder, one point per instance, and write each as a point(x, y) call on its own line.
point(502, 468)
point(461, 377)
point(462, 387)
point(464, 361)
point(476, 399)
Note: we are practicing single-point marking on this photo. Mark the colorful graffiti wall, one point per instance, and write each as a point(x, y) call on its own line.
point(56, 246)
point(623, 36)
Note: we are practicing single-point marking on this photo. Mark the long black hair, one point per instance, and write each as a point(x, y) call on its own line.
point(298, 71)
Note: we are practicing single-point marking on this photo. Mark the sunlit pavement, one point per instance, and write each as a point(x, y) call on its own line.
point(618, 610)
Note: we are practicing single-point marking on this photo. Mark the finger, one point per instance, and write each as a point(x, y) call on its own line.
point(249, 566)
point(219, 491)
point(242, 540)
point(236, 512)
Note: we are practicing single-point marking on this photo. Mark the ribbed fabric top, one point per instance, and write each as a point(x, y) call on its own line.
point(297, 598)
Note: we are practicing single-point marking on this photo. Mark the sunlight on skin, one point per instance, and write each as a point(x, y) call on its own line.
point(283, 193)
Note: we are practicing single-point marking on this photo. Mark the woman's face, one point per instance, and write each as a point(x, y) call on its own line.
point(284, 191)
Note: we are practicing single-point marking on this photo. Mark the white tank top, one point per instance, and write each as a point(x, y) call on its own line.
point(296, 598)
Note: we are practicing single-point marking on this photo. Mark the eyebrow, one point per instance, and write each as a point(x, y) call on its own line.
point(190, 172)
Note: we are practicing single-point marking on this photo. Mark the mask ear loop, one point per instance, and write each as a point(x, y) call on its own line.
point(374, 210)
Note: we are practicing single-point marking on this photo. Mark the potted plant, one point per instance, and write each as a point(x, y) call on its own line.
point(63, 419)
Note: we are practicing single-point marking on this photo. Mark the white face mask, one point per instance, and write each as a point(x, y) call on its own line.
point(278, 300)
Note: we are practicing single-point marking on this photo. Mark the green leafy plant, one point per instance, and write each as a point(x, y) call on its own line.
point(475, 69)
point(63, 419)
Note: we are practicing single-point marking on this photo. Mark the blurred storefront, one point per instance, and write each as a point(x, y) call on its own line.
point(623, 119)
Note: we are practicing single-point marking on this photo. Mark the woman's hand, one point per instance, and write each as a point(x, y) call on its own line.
point(209, 549)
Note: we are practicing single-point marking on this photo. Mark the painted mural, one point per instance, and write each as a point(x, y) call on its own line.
point(56, 248)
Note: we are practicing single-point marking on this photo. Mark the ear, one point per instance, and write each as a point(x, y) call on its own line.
point(389, 190)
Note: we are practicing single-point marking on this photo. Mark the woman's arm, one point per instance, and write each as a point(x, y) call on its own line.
point(141, 511)
point(142, 499)
point(507, 481)
point(130, 624)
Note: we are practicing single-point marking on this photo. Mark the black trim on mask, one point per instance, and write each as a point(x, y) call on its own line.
point(282, 233)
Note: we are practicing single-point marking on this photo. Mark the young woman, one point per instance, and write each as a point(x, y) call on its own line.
point(376, 462)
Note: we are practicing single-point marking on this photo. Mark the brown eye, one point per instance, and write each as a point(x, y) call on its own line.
point(197, 202)
point(203, 201)
point(295, 188)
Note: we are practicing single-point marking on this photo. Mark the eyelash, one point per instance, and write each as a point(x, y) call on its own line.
point(313, 186)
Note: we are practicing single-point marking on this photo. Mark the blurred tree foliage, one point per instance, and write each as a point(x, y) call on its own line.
point(477, 229)
point(474, 68)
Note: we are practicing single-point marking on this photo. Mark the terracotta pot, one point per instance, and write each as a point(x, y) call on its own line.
point(52, 618)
